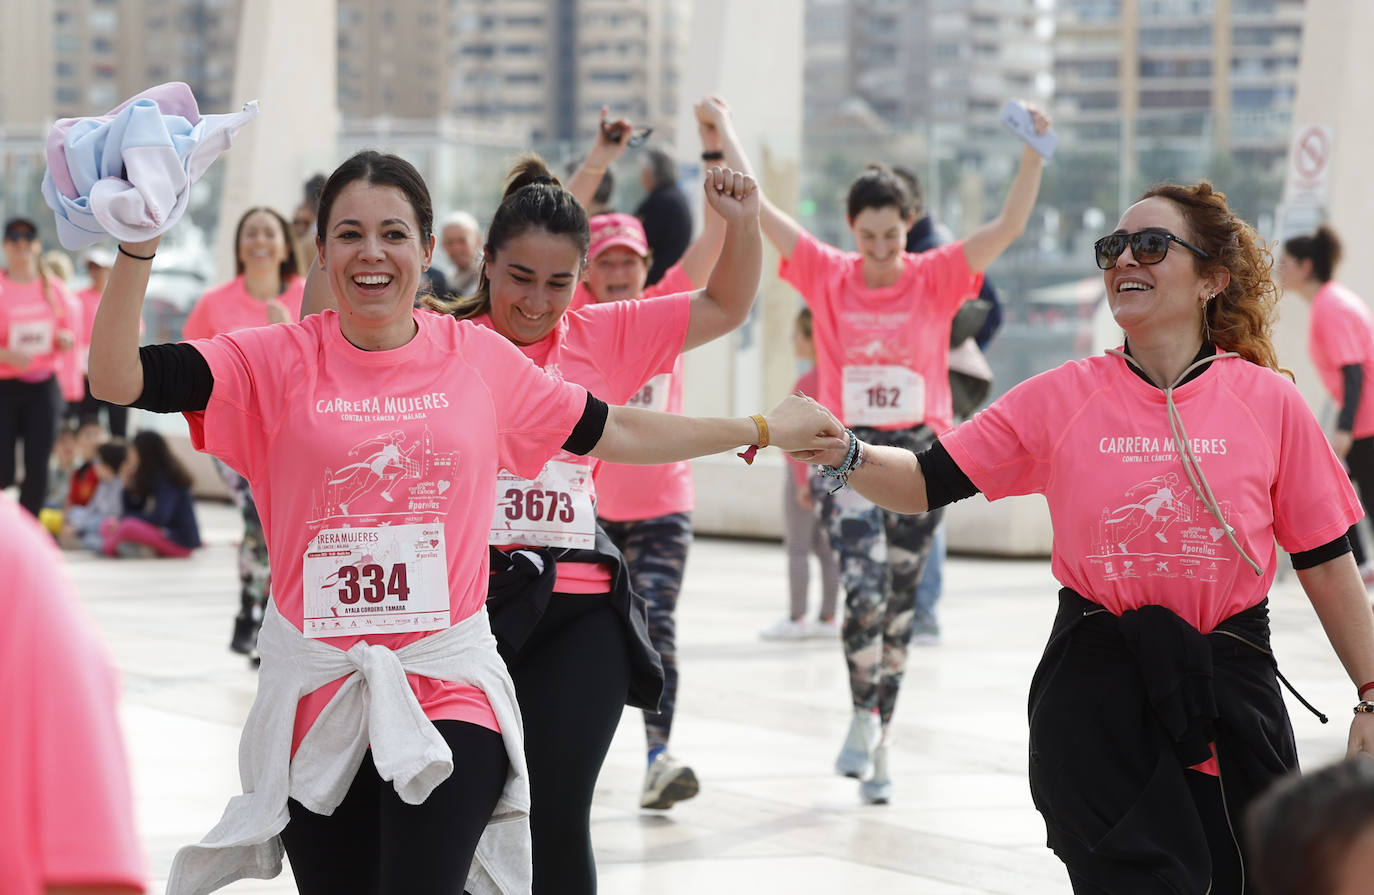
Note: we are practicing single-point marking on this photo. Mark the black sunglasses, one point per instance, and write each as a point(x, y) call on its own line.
point(24, 235)
point(1147, 247)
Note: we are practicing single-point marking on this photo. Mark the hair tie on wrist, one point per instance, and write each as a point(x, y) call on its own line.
point(1364, 687)
point(713, 155)
point(124, 251)
point(761, 424)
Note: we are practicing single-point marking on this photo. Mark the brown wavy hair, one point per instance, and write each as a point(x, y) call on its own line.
point(1241, 317)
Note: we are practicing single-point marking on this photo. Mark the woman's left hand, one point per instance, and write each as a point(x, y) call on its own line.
point(732, 195)
point(800, 425)
point(1361, 736)
point(64, 339)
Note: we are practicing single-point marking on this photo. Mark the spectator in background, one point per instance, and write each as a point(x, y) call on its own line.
point(666, 216)
point(461, 238)
point(159, 517)
point(1313, 834)
point(99, 260)
point(66, 816)
point(82, 525)
point(303, 222)
point(982, 318)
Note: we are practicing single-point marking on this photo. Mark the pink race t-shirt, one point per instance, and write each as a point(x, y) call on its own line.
point(66, 809)
point(1129, 529)
point(347, 449)
point(632, 493)
point(1341, 333)
point(612, 349)
point(229, 308)
point(29, 322)
point(90, 303)
point(883, 354)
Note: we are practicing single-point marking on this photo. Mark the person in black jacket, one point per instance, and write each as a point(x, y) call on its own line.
point(666, 216)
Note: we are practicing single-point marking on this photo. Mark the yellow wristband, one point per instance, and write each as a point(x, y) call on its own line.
point(591, 170)
point(762, 425)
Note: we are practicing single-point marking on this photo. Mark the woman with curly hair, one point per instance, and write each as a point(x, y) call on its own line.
point(1155, 714)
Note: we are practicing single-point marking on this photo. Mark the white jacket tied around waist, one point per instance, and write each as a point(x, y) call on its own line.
point(376, 707)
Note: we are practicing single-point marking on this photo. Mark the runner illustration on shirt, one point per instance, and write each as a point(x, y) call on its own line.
point(1160, 508)
point(386, 464)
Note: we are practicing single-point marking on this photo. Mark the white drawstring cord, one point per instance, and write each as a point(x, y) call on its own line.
point(1191, 466)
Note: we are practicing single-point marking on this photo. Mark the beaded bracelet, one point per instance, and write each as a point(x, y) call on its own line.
point(852, 461)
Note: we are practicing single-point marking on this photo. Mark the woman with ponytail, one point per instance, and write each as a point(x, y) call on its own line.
point(1340, 338)
point(36, 331)
point(571, 629)
point(1171, 466)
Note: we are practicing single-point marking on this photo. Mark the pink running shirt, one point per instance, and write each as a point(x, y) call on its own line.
point(883, 354)
point(1129, 530)
point(612, 349)
point(330, 436)
point(1341, 333)
point(66, 813)
point(28, 319)
point(229, 307)
point(632, 493)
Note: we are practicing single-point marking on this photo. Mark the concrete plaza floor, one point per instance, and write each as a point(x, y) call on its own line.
point(760, 722)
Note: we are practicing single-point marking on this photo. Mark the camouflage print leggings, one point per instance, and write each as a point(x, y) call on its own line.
point(255, 576)
point(881, 555)
point(656, 551)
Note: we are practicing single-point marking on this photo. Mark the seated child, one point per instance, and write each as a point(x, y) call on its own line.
point(89, 436)
point(159, 513)
point(83, 523)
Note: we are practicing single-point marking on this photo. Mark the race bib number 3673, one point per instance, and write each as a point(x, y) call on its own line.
point(555, 510)
point(387, 580)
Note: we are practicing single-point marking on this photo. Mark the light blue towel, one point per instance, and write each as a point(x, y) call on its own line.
point(128, 173)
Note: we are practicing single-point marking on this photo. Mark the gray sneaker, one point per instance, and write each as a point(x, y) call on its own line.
point(877, 789)
point(925, 630)
point(668, 782)
point(856, 755)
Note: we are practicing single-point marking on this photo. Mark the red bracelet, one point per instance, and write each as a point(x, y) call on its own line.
point(1363, 687)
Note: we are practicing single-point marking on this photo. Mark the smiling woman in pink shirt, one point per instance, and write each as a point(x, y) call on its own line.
point(882, 326)
point(1171, 466)
point(570, 627)
point(1340, 340)
point(373, 438)
point(266, 289)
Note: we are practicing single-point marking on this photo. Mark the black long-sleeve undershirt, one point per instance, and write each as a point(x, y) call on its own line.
point(1353, 375)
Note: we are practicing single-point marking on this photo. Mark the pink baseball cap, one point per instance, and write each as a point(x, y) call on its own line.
point(616, 229)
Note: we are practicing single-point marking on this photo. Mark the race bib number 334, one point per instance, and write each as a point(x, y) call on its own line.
point(387, 580)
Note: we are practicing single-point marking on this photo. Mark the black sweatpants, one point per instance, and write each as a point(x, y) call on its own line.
point(376, 844)
point(1360, 462)
point(572, 676)
point(29, 412)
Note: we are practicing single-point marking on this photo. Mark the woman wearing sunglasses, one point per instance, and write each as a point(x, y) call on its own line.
point(1170, 466)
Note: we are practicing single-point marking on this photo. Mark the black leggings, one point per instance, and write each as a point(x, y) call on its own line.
point(1360, 462)
point(87, 410)
point(375, 844)
point(28, 413)
point(1221, 840)
point(572, 676)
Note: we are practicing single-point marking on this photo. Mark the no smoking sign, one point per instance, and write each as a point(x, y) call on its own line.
point(1309, 165)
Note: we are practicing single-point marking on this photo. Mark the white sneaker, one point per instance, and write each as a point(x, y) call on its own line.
point(668, 782)
point(786, 629)
point(856, 755)
point(823, 630)
point(877, 789)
